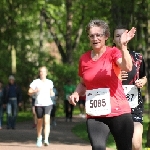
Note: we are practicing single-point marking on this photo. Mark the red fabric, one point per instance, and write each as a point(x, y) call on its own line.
point(82, 97)
point(104, 73)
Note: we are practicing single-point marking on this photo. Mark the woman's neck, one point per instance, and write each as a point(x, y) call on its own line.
point(43, 79)
point(96, 54)
point(99, 51)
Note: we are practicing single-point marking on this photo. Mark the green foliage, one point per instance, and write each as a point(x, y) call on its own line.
point(60, 75)
point(22, 117)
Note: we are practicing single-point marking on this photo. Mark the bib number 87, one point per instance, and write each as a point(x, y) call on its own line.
point(130, 97)
point(97, 103)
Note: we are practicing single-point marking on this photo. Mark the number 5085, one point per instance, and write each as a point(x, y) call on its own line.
point(97, 103)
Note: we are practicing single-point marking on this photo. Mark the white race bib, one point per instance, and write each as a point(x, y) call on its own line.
point(98, 102)
point(131, 93)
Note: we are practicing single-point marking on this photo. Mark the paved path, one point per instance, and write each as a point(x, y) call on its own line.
point(61, 137)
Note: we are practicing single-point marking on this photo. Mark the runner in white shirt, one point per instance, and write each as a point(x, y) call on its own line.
point(42, 88)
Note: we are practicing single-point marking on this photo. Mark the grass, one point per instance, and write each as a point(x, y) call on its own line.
point(81, 131)
point(22, 116)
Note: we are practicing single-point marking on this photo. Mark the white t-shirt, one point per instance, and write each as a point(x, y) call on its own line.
point(42, 98)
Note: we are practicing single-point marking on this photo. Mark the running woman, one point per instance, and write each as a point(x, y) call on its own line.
point(133, 81)
point(106, 105)
point(42, 88)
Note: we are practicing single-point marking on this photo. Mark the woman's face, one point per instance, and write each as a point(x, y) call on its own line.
point(117, 36)
point(97, 37)
point(43, 73)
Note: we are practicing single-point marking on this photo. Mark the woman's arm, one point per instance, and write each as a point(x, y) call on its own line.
point(32, 92)
point(80, 89)
point(125, 63)
point(52, 92)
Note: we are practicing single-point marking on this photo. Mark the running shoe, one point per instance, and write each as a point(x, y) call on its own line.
point(39, 141)
point(46, 143)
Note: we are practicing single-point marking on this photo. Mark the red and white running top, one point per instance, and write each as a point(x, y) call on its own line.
point(105, 73)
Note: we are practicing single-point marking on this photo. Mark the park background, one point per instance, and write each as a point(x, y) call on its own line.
point(52, 33)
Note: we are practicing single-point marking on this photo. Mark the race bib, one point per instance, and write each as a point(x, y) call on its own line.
point(98, 102)
point(131, 93)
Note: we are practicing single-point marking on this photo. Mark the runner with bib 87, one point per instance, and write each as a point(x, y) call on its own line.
point(132, 82)
point(99, 70)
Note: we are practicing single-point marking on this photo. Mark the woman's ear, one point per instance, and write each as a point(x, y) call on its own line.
point(106, 38)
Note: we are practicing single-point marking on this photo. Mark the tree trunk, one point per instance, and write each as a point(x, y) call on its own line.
point(71, 40)
point(13, 60)
point(41, 32)
point(69, 51)
point(56, 40)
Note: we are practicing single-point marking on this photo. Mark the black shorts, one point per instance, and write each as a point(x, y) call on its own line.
point(137, 117)
point(43, 110)
point(33, 101)
point(53, 111)
point(81, 102)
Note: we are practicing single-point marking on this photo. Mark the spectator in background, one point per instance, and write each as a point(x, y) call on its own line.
point(12, 99)
point(54, 98)
point(1, 104)
point(68, 90)
point(82, 106)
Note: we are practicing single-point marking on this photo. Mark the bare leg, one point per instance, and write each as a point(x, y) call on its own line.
point(39, 127)
point(47, 126)
point(137, 136)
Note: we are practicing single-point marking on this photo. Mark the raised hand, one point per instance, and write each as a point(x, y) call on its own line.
point(127, 36)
